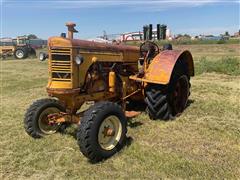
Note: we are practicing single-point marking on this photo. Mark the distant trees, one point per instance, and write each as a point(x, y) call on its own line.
point(32, 36)
point(185, 36)
point(226, 33)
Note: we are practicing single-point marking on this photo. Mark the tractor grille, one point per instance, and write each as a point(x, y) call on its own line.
point(61, 65)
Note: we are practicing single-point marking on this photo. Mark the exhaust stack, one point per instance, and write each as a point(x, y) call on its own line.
point(71, 29)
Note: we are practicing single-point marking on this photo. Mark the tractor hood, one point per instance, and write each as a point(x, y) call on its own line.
point(83, 44)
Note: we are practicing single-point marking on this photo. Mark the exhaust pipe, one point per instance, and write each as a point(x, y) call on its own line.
point(71, 29)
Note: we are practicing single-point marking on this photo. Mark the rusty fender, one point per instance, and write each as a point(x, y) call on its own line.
point(161, 67)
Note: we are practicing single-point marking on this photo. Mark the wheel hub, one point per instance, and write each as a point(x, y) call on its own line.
point(180, 95)
point(19, 53)
point(109, 132)
point(44, 123)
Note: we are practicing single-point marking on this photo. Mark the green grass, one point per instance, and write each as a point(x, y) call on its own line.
point(199, 42)
point(203, 143)
point(226, 65)
point(190, 42)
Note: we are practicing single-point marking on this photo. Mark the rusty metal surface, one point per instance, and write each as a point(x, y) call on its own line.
point(103, 46)
point(131, 94)
point(161, 67)
point(132, 114)
point(71, 29)
point(63, 117)
point(90, 45)
point(62, 91)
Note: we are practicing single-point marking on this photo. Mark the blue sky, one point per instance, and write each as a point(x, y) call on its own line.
point(47, 17)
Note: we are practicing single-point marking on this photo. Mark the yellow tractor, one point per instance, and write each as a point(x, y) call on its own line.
point(111, 76)
point(19, 48)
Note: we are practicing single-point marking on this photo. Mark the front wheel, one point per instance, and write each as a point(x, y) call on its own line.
point(36, 121)
point(102, 131)
point(42, 56)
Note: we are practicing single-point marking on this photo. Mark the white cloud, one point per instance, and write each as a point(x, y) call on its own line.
point(140, 5)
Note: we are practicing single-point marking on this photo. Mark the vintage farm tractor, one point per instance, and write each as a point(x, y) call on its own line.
point(20, 48)
point(111, 76)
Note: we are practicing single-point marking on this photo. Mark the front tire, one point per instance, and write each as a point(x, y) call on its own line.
point(42, 56)
point(36, 123)
point(102, 131)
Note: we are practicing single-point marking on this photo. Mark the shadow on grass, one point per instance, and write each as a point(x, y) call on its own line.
point(136, 106)
point(190, 101)
point(134, 124)
point(119, 150)
point(72, 131)
point(69, 129)
point(129, 141)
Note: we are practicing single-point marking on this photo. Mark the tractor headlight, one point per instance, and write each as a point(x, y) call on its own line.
point(78, 59)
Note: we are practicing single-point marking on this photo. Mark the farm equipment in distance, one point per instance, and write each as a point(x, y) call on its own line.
point(113, 77)
point(20, 49)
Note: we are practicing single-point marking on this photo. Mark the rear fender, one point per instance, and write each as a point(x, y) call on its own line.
point(161, 67)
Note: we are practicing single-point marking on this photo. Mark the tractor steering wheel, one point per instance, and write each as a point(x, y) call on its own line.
point(149, 46)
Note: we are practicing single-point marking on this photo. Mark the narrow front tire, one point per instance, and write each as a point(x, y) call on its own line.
point(102, 131)
point(36, 122)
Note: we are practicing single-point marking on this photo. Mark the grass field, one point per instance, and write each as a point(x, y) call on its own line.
point(203, 143)
point(190, 42)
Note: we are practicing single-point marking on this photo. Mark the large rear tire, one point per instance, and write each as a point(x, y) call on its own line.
point(102, 131)
point(36, 123)
point(166, 102)
point(21, 53)
point(158, 106)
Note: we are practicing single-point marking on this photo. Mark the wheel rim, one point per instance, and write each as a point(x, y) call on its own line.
point(41, 57)
point(179, 96)
point(19, 54)
point(110, 132)
point(43, 122)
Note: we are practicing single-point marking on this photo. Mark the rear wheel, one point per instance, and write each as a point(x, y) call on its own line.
point(102, 131)
point(36, 121)
point(158, 106)
point(179, 96)
point(21, 53)
point(166, 102)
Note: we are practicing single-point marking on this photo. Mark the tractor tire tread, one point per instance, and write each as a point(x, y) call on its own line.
point(31, 114)
point(85, 129)
point(159, 108)
point(24, 49)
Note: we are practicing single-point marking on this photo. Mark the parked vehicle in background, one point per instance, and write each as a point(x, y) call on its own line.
point(21, 47)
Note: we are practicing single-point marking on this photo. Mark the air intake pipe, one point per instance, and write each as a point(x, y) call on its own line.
point(71, 29)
